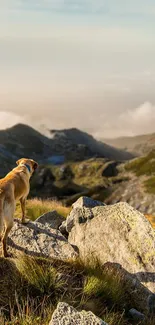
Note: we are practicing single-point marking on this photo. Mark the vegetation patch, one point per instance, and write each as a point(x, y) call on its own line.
point(36, 207)
point(150, 185)
point(142, 166)
point(31, 288)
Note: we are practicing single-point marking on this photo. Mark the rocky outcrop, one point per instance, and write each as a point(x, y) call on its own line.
point(110, 169)
point(116, 234)
point(37, 239)
point(82, 202)
point(86, 202)
point(67, 315)
point(65, 173)
point(53, 219)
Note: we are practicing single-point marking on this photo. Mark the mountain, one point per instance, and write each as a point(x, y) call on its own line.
point(137, 145)
point(64, 145)
point(75, 137)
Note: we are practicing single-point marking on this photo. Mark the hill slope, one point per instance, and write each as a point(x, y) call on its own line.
point(66, 145)
point(137, 145)
point(77, 137)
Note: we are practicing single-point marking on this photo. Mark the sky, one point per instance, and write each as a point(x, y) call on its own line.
point(88, 64)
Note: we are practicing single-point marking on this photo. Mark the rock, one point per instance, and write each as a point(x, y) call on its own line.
point(116, 234)
point(136, 315)
point(110, 169)
point(82, 202)
point(37, 239)
point(53, 219)
point(62, 229)
point(65, 314)
point(151, 304)
point(86, 202)
point(41, 176)
point(65, 172)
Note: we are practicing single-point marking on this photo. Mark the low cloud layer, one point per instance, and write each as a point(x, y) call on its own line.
point(140, 120)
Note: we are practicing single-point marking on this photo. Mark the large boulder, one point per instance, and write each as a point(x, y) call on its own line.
point(37, 239)
point(117, 234)
point(66, 314)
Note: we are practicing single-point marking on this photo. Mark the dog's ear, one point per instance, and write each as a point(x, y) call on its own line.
point(35, 165)
point(18, 161)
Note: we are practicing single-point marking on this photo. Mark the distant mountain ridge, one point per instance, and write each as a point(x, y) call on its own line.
point(77, 137)
point(137, 145)
point(71, 145)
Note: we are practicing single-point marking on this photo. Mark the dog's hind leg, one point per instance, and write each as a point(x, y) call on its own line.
point(9, 210)
point(23, 204)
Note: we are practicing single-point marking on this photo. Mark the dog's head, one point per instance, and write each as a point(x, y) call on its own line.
point(29, 163)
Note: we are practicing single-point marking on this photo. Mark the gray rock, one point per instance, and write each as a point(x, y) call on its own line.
point(151, 304)
point(67, 315)
point(62, 229)
point(37, 239)
point(86, 202)
point(136, 315)
point(117, 234)
point(79, 206)
point(52, 218)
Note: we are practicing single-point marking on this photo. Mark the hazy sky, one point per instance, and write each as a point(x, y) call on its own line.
point(78, 63)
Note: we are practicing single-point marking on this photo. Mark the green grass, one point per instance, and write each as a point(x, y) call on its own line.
point(30, 289)
point(142, 166)
point(150, 185)
point(37, 207)
point(87, 173)
point(39, 276)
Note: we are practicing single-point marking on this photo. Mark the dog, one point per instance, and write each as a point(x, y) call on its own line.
point(13, 187)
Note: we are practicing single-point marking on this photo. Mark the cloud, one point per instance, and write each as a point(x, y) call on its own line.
point(140, 120)
point(8, 119)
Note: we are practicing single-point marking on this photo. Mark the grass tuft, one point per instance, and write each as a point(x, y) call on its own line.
point(31, 288)
point(38, 275)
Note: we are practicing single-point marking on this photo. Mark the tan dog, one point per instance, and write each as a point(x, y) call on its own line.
point(14, 186)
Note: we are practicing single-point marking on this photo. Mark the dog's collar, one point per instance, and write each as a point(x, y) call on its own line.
point(28, 167)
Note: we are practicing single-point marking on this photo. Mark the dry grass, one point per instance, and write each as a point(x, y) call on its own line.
point(31, 287)
point(151, 218)
point(37, 207)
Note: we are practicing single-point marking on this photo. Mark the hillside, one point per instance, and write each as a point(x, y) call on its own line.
point(66, 145)
point(76, 137)
point(138, 145)
point(101, 179)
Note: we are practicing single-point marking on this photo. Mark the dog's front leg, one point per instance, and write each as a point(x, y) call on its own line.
point(23, 204)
